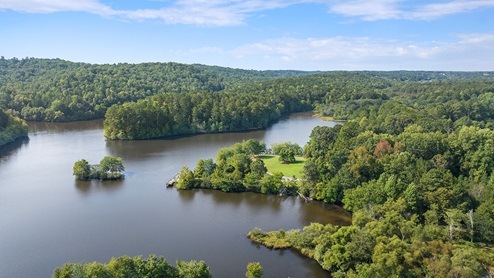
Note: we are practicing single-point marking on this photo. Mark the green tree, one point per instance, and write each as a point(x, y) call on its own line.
point(254, 147)
point(112, 164)
point(254, 270)
point(276, 148)
point(186, 179)
point(258, 168)
point(82, 170)
point(484, 222)
point(111, 167)
point(270, 184)
point(287, 155)
point(193, 269)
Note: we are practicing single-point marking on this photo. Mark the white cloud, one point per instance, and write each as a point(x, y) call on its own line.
point(235, 12)
point(194, 12)
point(484, 39)
point(51, 6)
point(369, 10)
point(467, 52)
point(437, 10)
point(188, 16)
point(372, 10)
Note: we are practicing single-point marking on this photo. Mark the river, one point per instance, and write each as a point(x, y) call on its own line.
point(47, 218)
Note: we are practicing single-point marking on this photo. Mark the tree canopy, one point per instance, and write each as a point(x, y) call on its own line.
point(137, 267)
point(11, 128)
point(416, 171)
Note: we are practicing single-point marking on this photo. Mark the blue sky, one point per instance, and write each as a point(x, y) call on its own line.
point(255, 34)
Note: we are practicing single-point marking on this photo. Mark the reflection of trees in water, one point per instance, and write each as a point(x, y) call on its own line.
point(183, 149)
point(36, 127)
point(88, 187)
point(316, 211)
point(255, 202)
point(139, 150)
point(185, 195)
point(12, 148)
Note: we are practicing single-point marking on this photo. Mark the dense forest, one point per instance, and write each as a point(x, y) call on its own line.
point(415, 168)
point(58, 90)
point(341, 95)
point(250, 106)
point(417, 173)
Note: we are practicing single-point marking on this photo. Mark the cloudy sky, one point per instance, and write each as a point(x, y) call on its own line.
point(256, 34)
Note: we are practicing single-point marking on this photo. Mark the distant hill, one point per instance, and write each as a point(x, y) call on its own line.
point(58, 90)
point(250, 76)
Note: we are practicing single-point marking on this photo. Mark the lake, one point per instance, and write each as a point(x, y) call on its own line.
point(47, 218)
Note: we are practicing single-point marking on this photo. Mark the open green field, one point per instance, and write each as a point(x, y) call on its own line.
point(274, 165)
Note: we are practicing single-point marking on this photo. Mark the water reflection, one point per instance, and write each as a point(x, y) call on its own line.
point(315, 211)
point(178, 147)
point(46, 127)
point(251, 200)
point(12, 148)
point(87, 187)
point(185, 195)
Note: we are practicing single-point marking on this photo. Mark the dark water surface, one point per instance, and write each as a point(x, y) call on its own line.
point(47, 218)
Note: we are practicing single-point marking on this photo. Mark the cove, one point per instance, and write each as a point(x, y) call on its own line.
point(47, 218)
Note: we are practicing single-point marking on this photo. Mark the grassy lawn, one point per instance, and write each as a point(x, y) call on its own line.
point(274, 165)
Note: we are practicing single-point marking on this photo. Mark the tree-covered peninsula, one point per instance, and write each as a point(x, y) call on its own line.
point(109, 168)
point(251, 106)
point(11, 128)
point(240, 168)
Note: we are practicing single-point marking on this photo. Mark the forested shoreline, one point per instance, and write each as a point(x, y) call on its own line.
point(250, 106)
point(11, 128)
point(341, 95)
point(416, 170)
point(125, 266)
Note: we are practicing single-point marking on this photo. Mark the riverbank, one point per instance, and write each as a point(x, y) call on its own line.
point(11, 129)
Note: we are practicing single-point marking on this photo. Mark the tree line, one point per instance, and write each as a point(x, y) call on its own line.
point(58, 90)
point(250, 106)
point(125, 266)
point(341, 95)
point(137, 267)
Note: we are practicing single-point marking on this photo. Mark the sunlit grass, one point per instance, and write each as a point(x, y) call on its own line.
point(274, 165)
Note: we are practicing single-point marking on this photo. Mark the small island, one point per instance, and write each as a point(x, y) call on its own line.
point(110, 168)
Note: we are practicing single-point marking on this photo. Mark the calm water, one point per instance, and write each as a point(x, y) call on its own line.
point(47, 218)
